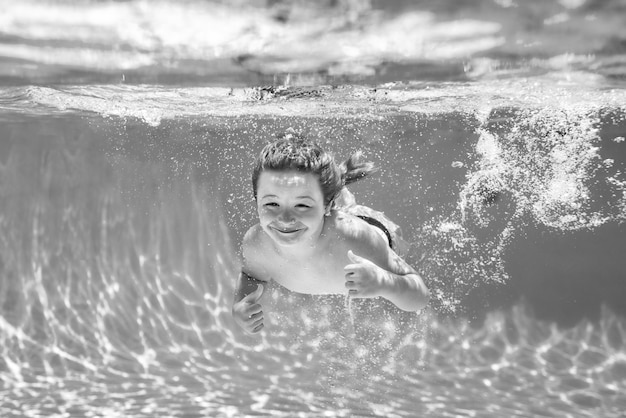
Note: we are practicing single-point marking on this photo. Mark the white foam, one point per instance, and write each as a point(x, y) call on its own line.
point(156, 103)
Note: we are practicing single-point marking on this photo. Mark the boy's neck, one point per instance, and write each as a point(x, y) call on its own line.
point(302, 251)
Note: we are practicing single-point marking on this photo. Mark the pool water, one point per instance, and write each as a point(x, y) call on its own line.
point(127, 133)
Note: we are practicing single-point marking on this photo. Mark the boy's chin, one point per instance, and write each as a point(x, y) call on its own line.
point(284, 244)
point(286, 241)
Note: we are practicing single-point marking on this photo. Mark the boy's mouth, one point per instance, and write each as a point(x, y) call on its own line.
point(282, 230)
point(286, 231)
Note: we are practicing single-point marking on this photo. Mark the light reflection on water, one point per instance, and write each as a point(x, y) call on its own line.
point(121, 206)
point(117, 264)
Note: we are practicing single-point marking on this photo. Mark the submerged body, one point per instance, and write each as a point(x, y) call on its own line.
point(344, 240)
point(308, 246)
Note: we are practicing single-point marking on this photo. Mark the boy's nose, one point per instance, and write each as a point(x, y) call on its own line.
point(286, 217)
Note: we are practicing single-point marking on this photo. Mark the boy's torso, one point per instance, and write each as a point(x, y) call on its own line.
point(320, 273)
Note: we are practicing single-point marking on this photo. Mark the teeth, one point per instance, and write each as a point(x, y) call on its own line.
point(286, 231)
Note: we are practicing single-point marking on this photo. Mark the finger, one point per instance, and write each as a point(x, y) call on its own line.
point(257, 328)
point(352, 268)
point(253, 310)
point(255, 315)
point(255, 295)
point(255, 321)
point(355, 258)
point(350, 285)
point(352, 292)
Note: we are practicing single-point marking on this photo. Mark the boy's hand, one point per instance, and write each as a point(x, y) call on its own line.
point(248, 312)
point(364, 279)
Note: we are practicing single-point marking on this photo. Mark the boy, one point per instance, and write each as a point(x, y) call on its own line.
point(309, 239)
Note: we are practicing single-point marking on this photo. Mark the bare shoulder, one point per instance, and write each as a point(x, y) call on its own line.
point(252, 237)
point(254, 252)
point(365, 240)
point(360, 236)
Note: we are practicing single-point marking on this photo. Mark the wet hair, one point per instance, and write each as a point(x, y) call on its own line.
point(292, 152)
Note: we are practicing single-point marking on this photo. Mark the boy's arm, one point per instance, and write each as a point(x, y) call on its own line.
point(252, 272)
point(403, 286)
point(246, 309)
point(245, 285)
point(398, 282)
point(376, 270)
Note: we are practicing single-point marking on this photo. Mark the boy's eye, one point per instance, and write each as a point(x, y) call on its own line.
point(271, 204)
point(301, 205)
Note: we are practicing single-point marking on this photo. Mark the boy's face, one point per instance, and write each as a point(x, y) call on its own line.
point(291, 206)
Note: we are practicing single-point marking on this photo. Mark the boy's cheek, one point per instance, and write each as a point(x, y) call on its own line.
point(262, 213)
point(264, 221)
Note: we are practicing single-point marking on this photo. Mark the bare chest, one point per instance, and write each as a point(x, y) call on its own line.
point(318, 276)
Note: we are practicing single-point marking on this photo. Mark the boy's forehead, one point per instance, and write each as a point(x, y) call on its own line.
point(289, 179)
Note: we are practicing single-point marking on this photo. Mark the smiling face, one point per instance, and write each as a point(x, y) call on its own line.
point(291, 206)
